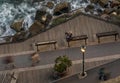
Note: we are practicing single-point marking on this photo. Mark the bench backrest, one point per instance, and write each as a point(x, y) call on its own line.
point(107, 33)
point(45, 43)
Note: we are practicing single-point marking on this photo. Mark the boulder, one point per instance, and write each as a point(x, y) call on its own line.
point(36, 1)
point(43, 17)
point(61, 8)
point(89, 8)
point(115, 3)
point(114, 13)
point(94, 1)
point(48, 19)
point(118, 11)
point(99, 11)
point(105, 16)
point(20, 36)
point(2, 30)
point(17, 26)
point(36, 28)
point(50, 4)
point(39, 15)
point(103, 3)
point(108, 10)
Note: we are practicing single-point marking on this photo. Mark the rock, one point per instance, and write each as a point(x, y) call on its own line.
point(105, 16)
point(61, 8)
point(2, 30)
point(39, 15)
point(115, 3)
point(20, 36)
point(50, 5)
point(36, 1)
point(48, 19)
point(114, 13)
point(36, 28)
point(94, 1)
point(108, 10)
point(89, 8)
point(17, 26)
point(8, 38)
point(43, 17)
point(99, 11)
point(103, 3)
point(118, 11)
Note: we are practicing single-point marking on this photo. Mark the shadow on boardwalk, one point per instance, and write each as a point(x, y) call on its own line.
point(93, 74)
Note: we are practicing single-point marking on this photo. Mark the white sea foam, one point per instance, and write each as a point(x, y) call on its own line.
point(11, 12)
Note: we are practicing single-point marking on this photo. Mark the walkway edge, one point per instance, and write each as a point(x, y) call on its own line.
point(113, 57)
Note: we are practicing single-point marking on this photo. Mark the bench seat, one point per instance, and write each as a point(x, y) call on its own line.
point(75, 38)
point(46, 43)
point(104, 34)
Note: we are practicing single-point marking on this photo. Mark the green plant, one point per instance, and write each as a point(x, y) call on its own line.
point(58, 21)
point(62, 63)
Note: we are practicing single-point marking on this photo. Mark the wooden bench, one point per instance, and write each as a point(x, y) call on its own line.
point(75, 38)
point(46, 43)
point(104, 34)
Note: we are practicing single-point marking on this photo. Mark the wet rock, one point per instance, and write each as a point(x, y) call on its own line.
point(20, 36)
point(103, 3)
point(36, 28)
point(99, 11)
point(39, 15)
point(94, 1)
point(36, 1)
point(50, 5)
point(114, 13)
point(118, 11)
point(48, 19)
point(8, 38)
point(115, 3)
point(17, 26)
point(2, 30)
point(89, 8)
point(61, 8)
point(43, 17)
point(105, 16)
point(108, 10)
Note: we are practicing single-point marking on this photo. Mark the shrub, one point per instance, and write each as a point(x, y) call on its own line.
point(62, 63)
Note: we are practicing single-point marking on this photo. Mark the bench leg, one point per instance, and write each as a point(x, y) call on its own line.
point(85, 41)
point(115, 37)
point(98, 40)
point(54, 46)
point(37, 49)
point(68, 44)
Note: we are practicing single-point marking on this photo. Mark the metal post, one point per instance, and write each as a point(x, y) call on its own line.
point(83, 65)
point(115, 37)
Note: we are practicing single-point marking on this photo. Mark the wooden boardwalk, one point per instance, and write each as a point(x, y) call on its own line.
point(45, 75)
point(5, 77)
point(79, 25)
